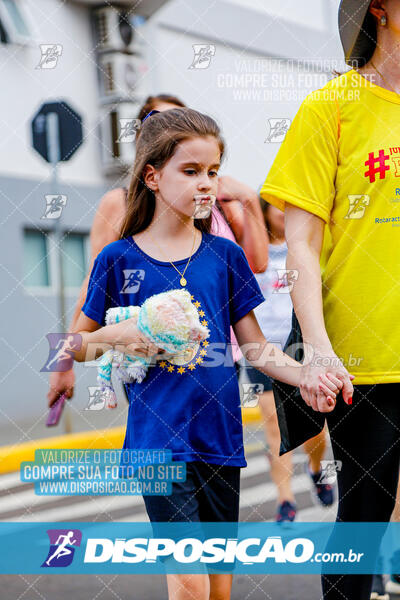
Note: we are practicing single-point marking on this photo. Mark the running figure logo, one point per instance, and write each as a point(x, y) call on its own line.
point(357, 205)
point(133, 279)
point(202, 55)
point(62, 547)
point(128, 129)
point(251, 392)
point(285, 281)
point(277, 129)
point(61, 351)
point(50, 54)
point(96, 400)
point(54, 206)
point(329, 468)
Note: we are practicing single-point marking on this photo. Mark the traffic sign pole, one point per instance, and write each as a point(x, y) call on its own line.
point(53, 153)
point(56, 135)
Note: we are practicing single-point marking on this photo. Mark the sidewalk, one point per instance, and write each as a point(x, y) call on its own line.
point(13, 454)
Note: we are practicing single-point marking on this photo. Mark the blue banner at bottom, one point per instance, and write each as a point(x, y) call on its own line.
point(254, 547)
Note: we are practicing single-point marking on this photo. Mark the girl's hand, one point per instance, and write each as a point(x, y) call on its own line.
point(330, 386)
point(319, 384)
point(129, 339)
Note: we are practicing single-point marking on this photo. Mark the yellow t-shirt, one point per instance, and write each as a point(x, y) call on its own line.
point(340, 160)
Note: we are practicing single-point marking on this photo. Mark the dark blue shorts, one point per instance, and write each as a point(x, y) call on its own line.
point(209, 494)
point(256, 376)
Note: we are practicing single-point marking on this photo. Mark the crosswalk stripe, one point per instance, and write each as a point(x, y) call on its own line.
point(318, 513)
point(28, 498)
point(68, 512)
point(256, 463)
point(250, 496)
point(10, 480)
point(139, 517)
point(26, 501)
point(260, 463)
point(258, 494)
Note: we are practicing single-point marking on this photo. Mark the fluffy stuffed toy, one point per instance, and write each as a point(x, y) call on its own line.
point(170, 321)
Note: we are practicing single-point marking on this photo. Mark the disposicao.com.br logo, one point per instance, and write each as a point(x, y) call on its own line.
point(213, 550)
point(189, 547)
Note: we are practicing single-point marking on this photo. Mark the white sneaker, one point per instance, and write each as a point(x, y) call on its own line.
point(393, 585)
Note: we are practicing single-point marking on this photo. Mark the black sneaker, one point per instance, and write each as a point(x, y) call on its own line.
point(323, 491)
point(286, 512)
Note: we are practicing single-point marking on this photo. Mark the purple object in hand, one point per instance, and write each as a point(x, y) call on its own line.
point(55, 411)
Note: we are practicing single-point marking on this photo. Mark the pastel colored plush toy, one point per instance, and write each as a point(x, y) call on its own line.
point(170, 321)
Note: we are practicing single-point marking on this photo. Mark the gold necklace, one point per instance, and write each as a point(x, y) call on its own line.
point(182, 280)
point(383, 79)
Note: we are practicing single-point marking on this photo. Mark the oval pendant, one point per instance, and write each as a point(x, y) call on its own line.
point(183, 281)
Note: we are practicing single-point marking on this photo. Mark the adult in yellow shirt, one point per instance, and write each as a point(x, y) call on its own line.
point(339, 167)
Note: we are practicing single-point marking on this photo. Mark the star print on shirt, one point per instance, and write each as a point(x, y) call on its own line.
point(194, 362)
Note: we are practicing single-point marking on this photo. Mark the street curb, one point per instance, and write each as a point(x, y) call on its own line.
point(11, 456)
point(251, 415)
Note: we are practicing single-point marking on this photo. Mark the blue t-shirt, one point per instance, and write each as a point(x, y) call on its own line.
point(194, 409)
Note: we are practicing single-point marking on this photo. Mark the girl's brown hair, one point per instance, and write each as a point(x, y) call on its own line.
point(159, 138)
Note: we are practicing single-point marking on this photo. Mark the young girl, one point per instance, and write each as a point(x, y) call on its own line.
point(194, 409)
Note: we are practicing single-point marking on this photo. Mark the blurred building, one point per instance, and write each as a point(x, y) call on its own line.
point(247, 63)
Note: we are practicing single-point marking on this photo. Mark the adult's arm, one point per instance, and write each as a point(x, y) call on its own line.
point(304, 233)
point(105, 229)
point(243, 213)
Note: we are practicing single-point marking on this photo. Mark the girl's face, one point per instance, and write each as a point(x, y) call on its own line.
point(275, 218)
point(193, 169)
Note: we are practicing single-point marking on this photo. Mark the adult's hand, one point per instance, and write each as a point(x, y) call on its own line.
point(317, 363)
point(59, 383)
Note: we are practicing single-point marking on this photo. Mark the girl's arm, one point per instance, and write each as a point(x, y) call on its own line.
point(263, 355)
point(270, 359)
point(92, 335)
point(123, 336)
